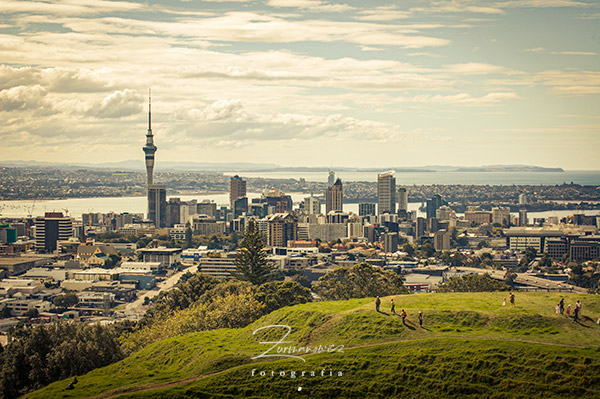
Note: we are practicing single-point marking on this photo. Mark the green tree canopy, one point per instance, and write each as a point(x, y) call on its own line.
point(278, 294)
point(359, 281)
point(252, 262)
point(472, 283)
point(66, 300)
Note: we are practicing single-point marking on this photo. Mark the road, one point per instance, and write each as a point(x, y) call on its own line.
point(136, 309)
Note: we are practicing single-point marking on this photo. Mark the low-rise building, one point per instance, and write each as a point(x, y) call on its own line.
point(168, 257)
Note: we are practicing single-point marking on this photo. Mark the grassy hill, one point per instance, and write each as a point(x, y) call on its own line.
point(469, 346)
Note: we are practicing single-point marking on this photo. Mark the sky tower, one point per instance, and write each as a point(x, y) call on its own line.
point(149, 148)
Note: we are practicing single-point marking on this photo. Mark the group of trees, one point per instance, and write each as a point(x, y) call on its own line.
point(42, 354)
point(214, 241)
point(359, 281)
point(204, 303)
point(472, 283)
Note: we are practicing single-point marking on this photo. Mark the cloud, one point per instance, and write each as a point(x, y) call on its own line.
point(311, 5)
point(544, 51)
point(383, 13)
point(67, 7)
point(463, 98)
point(22, 98)
point(474, 68)
point(118, 105)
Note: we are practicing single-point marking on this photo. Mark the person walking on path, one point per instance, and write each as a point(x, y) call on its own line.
point(557, 307)
point(578, 306)
point(420, 319)
point(576, 313)
point(512, 299)
point(403, 314)
point(562, 305)
point(569, 310)
point(377, 303)
point(393, 306)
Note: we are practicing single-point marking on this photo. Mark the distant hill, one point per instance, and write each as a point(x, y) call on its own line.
point(138, 165)
point(469, 346)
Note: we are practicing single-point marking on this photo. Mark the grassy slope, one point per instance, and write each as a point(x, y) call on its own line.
point(470, 346)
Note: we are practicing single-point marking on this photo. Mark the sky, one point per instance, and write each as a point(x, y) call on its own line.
point(303, 82)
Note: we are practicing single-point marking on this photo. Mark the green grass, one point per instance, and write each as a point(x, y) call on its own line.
point(468, 345)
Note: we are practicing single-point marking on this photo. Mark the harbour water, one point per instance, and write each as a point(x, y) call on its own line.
point(583, 177)
point(75, 207)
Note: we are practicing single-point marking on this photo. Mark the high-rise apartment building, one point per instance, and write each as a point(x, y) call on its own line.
point(237, 189)
point(312, 206)
point(157, 205)
point(441, 240)
point(523, 217)
point(366, 208)
point(523, 200)
point(50, 229)
point(330, 178)
point(386, 193)
point(501, 215)
point(334, 197)
point(402, 199)
point(433, 204)
point(390, 242)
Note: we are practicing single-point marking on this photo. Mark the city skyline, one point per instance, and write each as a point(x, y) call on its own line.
point(456, 82)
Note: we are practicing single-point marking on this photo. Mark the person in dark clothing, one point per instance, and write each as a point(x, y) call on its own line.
point(562, 305)
point(393, 306)
point(420, 319)
point(403, 314)
point(377, 303)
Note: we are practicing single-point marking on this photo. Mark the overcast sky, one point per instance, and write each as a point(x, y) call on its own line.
point(303, 82)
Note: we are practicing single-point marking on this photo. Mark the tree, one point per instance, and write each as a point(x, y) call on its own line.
point(188, 237)
point(409, 249)
point(530, 254)
point(252, 262)
point(509, 278)
point(472, 283)
point(66, 300)
point(279, 294)
point(359, 281)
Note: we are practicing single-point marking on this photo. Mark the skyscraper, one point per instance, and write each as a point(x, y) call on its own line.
point(237, 189)
point(433, 204)
point(402, 199)
point(50, 229)
point(331, 178)
point(312, 206)
point(334, 197)
point(149, 148)
point(157, 205)
point(386, 192)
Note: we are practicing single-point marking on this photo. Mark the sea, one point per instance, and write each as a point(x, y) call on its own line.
point(583, 177)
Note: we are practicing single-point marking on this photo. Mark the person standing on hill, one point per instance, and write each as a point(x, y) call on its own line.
point(557, 307)
point(377, 303)
point(578, 306)
point(403, 314)
point(393, 306)
point(576, 313)
point(420, 319)
point(504, 302)
point(512, 299)
point(569, 310)
point(562, 305)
